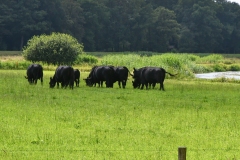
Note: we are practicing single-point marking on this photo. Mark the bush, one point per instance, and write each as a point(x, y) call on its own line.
point(219, 67)
point(234, 67)
point(213, 58)
point(86, 59)
point(56, 49)
point(145, 53)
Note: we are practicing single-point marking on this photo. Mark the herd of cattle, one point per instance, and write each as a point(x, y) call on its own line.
point(66, 76)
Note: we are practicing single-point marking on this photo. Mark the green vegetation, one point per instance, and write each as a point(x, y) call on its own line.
point(185, 65)
point(56, 49)
point(102, 123)
point(185, 26)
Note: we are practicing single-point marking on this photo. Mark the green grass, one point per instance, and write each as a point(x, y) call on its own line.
point(101, 123)
point(10, 53)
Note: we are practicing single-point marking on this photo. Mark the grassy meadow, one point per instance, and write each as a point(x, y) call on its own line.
point(101, 123)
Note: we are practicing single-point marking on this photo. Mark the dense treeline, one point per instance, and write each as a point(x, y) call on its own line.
point(211, 26)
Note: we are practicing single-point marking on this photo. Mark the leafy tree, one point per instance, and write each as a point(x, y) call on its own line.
point(186, 41)
point(56, 49)
point(74, 21)
point(96, 16)
point(206, 27)
point(164, 29)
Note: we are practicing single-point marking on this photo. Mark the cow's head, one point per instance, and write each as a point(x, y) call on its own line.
point(30, 80)
point(52, 82)
point(88, 81)
point(136, 83)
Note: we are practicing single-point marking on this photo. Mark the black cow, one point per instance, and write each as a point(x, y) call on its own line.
point(137, 84)
point(77, 77)
point(34, 72)
point(99, 74)
point(149, 75)
point(121, 75)
point(63, 75)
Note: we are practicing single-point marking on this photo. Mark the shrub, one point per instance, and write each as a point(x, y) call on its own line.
point(213, 58)
point(56, 49)
point(145, 53)
point(234, 67)
point(219, 67)
point(86, 59)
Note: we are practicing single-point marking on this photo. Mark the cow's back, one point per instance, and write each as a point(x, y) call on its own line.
point(34, 72)
point(64, 75)
point(105, 73)
point(153, 74)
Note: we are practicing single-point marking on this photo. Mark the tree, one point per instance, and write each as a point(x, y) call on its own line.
point(74, 18)
point(164, 29)
point(56, 49)
point(206, 27)
point(96, 18)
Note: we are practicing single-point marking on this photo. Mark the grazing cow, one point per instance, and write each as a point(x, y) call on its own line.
point(63, 75)
point(34, 72)
point(149, 75)
point(121, 75)
point(77, 77)
point(99, 74)
point(136, 84)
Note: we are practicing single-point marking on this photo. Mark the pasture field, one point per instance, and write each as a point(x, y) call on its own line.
point(111, 123)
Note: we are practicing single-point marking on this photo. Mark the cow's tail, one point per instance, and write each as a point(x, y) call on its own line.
point(170, 74)
point(128, 71)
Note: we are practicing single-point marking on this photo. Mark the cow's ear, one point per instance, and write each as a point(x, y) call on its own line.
point(50, 78)
point(134, 68)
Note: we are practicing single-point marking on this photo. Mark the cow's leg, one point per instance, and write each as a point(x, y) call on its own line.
point(107, 84)
point(146, 85)
point(119, 84)
point(153, 85)
point(161, 86)
point(41, 80)
point(35, 81)
point(68, 83)
point(124, 83)
point(31, 81)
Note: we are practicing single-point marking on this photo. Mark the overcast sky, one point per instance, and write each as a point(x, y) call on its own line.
point(237, 1)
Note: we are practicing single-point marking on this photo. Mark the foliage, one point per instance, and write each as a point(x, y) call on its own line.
point(138, 25)
point(185, 65)
point(84, 58)
point(212, 58)
point(234, 67)
point(57, 48)
point(102, 123)
point(219, 67)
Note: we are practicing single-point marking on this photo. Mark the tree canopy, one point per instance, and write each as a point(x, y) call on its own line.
point(57, 49)
point(123, 25)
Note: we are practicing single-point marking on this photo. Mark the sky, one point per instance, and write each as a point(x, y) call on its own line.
point(237, 1)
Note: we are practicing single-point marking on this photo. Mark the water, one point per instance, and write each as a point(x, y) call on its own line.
point(212, 75)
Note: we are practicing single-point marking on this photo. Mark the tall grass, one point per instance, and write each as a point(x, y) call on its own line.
point(186, 65)
point(101, 123)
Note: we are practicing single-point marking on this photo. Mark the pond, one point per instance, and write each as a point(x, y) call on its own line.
point(212, 75)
